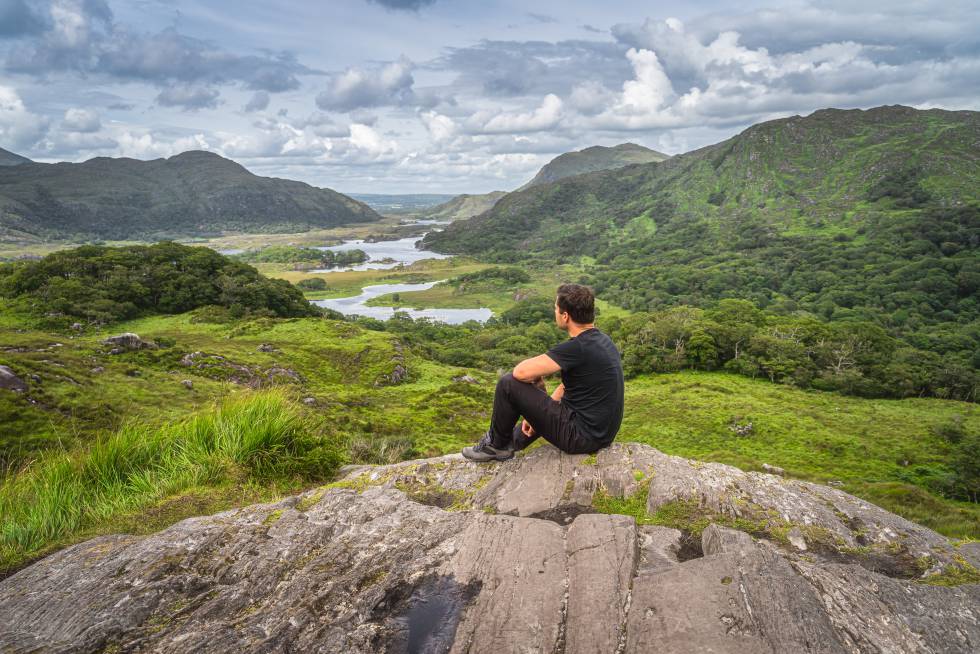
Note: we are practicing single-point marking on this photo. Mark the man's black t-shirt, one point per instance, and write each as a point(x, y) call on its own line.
point(592, 372)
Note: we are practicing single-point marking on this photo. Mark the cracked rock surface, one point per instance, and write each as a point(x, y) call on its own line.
point(444, 555)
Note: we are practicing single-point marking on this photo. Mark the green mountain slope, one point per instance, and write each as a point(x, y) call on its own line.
point(8, 158)
point(463, 206)
point(848, 215)
point(569, 164)
point(193, 192)
point(594, 159)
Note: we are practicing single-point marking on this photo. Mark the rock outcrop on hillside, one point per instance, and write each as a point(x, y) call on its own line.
point(444, 555)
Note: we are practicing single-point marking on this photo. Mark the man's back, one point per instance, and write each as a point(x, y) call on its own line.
point(592, 372)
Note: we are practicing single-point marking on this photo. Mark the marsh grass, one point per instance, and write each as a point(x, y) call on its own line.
point(261, 438)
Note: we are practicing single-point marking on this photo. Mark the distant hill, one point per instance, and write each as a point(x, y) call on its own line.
point(821, 173)
point(195, 192)
point(8, 158)
point(566, 165)
point(399, 203)
point(594, 159)
point(464, 206)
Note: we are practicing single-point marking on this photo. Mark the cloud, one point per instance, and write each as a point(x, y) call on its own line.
point(121, 106)
point(81, 120)
point(541, 18)
point(19, 128)
point(144, 145)
point(590, 97)
point(258, 102)
point(545, 116)
point(440, 128)
point(681, 79)
point(80, 36)
point(530, 68)
point(189, 97)
point(20, 18)
point(404, 5)
point(358, 88)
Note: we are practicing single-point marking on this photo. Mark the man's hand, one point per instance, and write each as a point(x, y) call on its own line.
point(527, 429)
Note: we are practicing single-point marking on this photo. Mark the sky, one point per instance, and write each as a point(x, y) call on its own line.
point(454, 96)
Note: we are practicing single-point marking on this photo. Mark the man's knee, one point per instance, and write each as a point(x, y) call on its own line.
point(506, 382)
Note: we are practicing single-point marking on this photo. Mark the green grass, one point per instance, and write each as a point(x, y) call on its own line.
point(885, 451)
point(260, 438)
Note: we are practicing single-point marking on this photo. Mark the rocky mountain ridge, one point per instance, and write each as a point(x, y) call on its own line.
point(529, 555)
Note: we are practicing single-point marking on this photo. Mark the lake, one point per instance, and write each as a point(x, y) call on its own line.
point(354, 305)
point(403, 251)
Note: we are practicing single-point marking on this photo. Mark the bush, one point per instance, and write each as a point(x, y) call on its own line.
point(312, 284)
point(104, 284)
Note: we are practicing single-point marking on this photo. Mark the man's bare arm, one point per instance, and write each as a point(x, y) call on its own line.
point(559, 393)
point(530, 369)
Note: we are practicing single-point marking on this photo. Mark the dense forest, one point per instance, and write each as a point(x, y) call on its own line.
point(101, 284)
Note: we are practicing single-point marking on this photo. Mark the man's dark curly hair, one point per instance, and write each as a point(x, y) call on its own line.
point(578, 301)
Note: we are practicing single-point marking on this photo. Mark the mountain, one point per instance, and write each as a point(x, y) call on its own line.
point(463, 206)
point(847, 215)
point(625, 550)
point(195, 192)
point(789, 175)
point(8, 158)
point(566, 165)
point(594, 159)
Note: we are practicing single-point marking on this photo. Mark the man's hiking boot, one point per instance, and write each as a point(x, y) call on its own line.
point(484, 451)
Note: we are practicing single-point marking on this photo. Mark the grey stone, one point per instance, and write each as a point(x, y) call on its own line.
point(773, 470)
point(187, 383)
point(659, 547)
point(602, 560)
point(10, 381)
point(422, 556)
point(128, 341)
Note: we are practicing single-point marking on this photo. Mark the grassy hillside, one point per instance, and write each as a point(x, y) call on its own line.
point(194, 192)
point(890, 451)
point(462, 206)
point(844, 216)
point(594, 159)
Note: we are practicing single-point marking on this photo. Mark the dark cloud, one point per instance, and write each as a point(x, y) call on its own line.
point(404, 5)
point(20, 18)
point(542, 18)
point(169, 55)
point(189, 98)
point(89, 42)
point(518, 68)
point(593, 29)
point(258, 102)
point(121, 106)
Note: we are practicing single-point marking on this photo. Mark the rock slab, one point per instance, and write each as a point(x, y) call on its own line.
point(443, 555)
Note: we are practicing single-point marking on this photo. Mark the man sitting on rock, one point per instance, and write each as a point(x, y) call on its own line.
point(585, 411)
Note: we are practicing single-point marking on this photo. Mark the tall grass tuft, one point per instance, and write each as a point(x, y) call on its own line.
point(259, 438)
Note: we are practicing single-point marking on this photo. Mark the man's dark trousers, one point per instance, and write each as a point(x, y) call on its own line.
point(552, 421)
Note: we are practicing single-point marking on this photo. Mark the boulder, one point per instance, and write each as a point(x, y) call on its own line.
point(128, 342)
point(444, 555)
point(10, 381)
